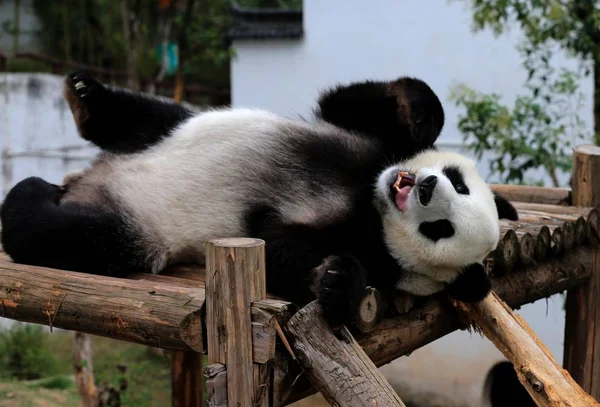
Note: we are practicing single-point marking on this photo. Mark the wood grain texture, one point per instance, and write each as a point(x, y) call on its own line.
point(186, 379)
point(532, 194)
point(235, 278)
point(340, 369)
point(546, 382)
point(582, 325)
point(146, 312)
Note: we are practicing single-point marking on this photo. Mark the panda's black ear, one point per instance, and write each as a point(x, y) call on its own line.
point(505, 209)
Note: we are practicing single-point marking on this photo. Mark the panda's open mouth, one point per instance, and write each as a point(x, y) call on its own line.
point(401, 188)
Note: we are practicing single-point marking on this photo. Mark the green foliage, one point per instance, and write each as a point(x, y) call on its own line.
point(571, 25)
point(538, 131)
point(25, 354)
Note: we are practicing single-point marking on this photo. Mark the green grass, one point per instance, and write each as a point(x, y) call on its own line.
point(148, 375)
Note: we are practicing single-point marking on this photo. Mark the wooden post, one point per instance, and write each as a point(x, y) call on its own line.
point(235, 278)
point(84, 369)
point(582, 325)
point(186, 379)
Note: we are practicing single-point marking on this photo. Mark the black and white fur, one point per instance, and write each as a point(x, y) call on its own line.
point(168, 179)
point(450, 222)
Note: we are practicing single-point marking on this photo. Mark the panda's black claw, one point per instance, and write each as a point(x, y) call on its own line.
point(83, 84)
point(342, 281)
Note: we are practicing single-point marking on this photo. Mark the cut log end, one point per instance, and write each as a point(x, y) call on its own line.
point(370, 310)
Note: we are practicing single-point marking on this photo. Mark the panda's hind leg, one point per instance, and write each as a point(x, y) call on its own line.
point(38, 230)
point(118, 120)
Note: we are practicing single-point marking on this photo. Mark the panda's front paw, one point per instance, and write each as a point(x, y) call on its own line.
point(83, 84)
point(472, 284)
point(340, 284)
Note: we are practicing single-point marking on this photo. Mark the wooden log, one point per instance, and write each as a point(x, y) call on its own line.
point(506, 254)
point(235, 278)
point(527, 245)
point(543, 243)
point(186, 379)
point(339, 369)
point(370, 310)
point(556, 241)
point(83, 364)
point(593, 222)
point(552, 209)
point(532, 194)
point(546, 382)
point(568, 234)
point(216, 385)
point(582, 324)
point(145, 312)
point(581, 231)
point(399, 335)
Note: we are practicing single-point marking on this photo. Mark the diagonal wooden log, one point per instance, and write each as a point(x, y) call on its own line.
point(339, 368)
point(546, 382)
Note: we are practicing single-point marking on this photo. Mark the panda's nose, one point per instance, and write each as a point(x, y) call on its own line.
point(426, 188)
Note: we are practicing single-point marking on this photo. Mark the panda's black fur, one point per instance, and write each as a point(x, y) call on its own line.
point(311, 198)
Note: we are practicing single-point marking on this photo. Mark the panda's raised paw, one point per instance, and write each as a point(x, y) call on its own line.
point(472, 285)
point(341, 282)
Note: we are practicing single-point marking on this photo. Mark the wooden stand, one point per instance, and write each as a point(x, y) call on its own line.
point(546, 382)
point(582, 325)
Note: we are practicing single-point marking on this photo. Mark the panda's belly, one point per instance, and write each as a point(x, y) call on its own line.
point(184, 192)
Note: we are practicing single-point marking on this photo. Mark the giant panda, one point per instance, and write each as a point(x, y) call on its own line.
point(168, 178)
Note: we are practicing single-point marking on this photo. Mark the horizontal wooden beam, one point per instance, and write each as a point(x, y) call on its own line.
point(402, 334)
point(157, 314)
point(531, 194)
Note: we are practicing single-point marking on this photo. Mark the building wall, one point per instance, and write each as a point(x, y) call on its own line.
point(345, 40)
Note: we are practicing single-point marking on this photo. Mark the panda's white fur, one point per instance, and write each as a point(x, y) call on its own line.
point(196, 184)
point(473, 216)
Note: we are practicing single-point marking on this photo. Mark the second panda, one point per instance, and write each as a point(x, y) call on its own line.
point(320, 194)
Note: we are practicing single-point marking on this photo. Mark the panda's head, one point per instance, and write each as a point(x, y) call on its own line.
point(446, 220)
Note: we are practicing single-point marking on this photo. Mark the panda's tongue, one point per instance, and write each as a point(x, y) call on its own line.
point(402, 198)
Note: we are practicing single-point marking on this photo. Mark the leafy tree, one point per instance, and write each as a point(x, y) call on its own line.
point(539, 129)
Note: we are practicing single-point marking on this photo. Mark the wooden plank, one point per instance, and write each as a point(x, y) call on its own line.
point(339, 368)
point(235, 277)
point(582, 325)
point(532, 194)
point(146, 312)
point(186, 379)
point(545, 381)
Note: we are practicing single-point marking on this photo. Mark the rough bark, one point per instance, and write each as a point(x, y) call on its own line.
point(150, 313)
point(338, 367)
point(546, 382)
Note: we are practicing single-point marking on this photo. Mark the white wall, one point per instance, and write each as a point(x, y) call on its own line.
point(346, 40)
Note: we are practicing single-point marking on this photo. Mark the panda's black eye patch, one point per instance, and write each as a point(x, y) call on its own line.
point(456, 178)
